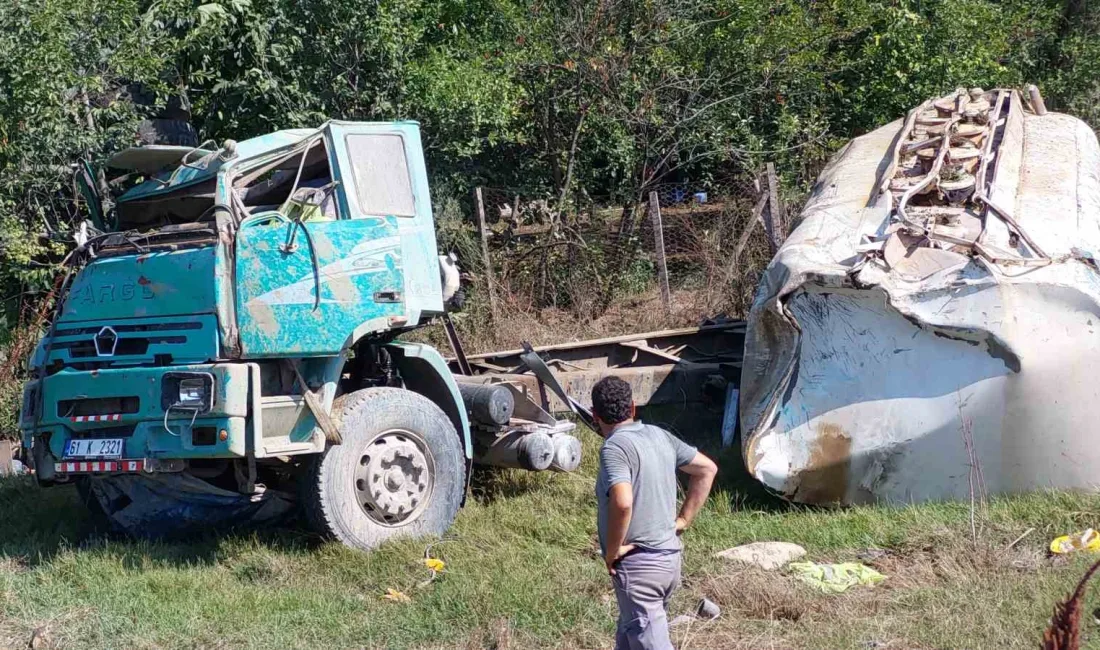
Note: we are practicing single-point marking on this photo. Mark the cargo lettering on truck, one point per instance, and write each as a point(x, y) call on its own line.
point(106, 293)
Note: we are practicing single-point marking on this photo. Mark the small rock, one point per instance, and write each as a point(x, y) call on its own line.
point(708, 609)
point(766, 555)
point(40, 639)
point(871, 554)
point(682, 619)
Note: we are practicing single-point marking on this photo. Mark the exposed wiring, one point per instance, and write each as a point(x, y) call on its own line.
point(290, 246)
point(301, 166)
point(194, 415)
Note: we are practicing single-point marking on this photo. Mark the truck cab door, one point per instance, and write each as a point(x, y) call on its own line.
point(370, 269)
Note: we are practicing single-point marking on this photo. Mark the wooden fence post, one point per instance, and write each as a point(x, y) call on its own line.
point(659, 245)
point(483, 231)
point(6, 453)
point(777, 232)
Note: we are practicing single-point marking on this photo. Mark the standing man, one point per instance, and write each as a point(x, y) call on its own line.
point(638, 524)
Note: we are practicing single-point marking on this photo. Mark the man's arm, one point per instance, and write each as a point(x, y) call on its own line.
point(620, 506)
point(701, 471)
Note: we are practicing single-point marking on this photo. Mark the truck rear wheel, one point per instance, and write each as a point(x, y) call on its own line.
point(398, 473)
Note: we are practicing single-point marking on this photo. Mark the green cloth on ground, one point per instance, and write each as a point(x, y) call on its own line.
point(835, 578)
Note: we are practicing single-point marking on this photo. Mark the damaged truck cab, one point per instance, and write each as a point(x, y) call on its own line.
point(235, 325)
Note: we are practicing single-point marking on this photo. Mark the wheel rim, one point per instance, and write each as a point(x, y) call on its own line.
point(394, 477)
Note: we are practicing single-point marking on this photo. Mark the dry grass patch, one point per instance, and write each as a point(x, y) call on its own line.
point(13, 565)
point(52, 634)
point(757, 594)
point(953, 593)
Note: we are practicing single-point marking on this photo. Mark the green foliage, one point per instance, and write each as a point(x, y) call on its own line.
point(57, 104)
point(553, 98)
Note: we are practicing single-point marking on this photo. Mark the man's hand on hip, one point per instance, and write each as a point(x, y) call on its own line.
point(614, 556)
point(701, 471)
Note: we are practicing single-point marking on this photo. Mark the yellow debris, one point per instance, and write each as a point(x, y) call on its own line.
point(434, 564)
point(1086, 540)
point(396, 596)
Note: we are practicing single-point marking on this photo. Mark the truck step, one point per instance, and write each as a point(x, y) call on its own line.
point(282, 446)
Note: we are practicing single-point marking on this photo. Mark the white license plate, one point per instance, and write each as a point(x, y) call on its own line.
point(95, 448)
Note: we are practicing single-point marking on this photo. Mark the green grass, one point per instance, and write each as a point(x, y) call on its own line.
point(522, 571)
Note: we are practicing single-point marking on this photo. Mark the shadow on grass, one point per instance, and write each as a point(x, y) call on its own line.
point(37, 524)
point(491, 484)
point(746, 492)
point(702, 427)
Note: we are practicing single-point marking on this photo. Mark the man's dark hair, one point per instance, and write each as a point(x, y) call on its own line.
point(611, 400)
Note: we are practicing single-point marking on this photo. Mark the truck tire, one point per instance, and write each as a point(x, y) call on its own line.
point(399, 472)
point(178, 133)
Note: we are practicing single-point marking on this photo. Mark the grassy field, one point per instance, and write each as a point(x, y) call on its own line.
point(522, 571)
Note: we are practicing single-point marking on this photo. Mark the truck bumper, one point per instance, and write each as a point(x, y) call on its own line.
point(135, 404)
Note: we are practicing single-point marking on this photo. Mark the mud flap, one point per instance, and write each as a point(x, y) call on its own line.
point(167, 506)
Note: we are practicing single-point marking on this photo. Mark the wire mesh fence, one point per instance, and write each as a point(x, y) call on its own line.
point(583, 255)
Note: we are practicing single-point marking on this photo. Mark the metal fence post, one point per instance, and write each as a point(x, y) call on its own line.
point(659, 245)
point(483, 231)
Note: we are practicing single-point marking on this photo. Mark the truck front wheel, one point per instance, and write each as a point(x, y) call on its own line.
point(398, 472)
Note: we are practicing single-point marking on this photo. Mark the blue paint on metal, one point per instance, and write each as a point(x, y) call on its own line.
point(376, 273)
point(182, 339)
point(424, 292)
point(428, 360)
point(360, 273)
point(225, 303)
point(147, 285)
point(373, 269)
point(148, 439)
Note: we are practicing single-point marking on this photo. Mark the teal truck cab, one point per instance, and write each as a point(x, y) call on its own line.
point(228, 336)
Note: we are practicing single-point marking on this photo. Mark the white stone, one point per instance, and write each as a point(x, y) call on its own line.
point(766, 555)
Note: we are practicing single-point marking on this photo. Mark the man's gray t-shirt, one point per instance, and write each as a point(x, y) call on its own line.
point(646, 457)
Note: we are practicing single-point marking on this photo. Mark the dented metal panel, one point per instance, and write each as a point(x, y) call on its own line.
point(360, 274)
point(150, 430)
point(161, 283)
point(918, 357)
point(314, 289)
point(199, 169)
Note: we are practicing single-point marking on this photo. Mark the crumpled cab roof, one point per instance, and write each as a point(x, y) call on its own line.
point(202, 164)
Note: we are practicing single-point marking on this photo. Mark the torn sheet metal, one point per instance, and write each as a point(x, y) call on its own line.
point(958, 356)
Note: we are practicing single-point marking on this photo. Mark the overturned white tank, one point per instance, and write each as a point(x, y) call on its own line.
point(929, 330)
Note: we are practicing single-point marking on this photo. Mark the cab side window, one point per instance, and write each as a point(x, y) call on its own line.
point(381, 175)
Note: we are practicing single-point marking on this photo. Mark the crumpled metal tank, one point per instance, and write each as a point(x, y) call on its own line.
point(929, 329)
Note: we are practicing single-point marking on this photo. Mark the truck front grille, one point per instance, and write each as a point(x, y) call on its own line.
point(92, 347)
point(68, 408)
point(125, 431)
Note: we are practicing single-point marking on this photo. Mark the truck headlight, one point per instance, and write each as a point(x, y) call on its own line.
point(187, 390)
point(192, 393)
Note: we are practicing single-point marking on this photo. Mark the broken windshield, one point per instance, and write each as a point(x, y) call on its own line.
point(268, 187)
point(190, 204)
